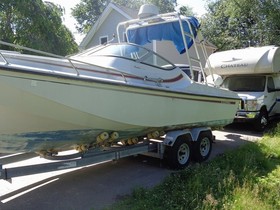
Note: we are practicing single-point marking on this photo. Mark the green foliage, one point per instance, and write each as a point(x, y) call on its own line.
point(241, 23)
point(246, 178)
point(186, 11)
point(163, 5)
point(87, 11)
point(32, 23)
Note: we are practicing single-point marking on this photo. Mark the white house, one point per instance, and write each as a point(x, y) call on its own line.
point(106, 27)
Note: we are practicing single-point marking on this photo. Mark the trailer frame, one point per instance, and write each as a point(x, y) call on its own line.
point(150, 147)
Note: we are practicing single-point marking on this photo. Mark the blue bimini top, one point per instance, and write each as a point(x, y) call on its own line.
point(164, 31)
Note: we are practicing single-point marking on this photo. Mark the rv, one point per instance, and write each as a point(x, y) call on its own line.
point(254, 73)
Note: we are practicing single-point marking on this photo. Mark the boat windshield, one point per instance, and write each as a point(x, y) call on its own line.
point(134, 52)
point(245, 83)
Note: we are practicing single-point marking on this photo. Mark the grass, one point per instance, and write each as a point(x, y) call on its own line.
point(246, 178)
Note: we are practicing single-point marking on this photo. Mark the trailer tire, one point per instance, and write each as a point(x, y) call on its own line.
point(202, 147)
point(261, 121)
point(178, 156)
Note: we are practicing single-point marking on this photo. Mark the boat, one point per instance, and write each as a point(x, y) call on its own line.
point(115, 92)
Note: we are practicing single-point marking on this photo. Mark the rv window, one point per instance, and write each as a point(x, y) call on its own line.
point(270, 84)
point(245, 83)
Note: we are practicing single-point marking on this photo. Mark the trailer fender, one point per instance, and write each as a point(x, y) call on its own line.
point(196, 132)
point(193, 135)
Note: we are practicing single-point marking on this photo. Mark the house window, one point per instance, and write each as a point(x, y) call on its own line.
point(103, 40)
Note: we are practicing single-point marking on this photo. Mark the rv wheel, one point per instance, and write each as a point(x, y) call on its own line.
point(178, 155)
point(261, 121)
point(202, 147)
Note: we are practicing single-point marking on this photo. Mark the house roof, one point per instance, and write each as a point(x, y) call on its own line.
point(131, 12)
point(126, 12)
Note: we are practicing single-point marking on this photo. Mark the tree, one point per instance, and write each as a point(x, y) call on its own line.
point(88, 11)
point(233, 24)
point(35, 24)
point(163, 5)
point(186, 11)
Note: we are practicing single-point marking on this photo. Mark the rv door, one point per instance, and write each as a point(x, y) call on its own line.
point(272, 97)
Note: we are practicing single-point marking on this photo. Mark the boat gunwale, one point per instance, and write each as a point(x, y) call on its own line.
point(115, 72)
point(179, 94)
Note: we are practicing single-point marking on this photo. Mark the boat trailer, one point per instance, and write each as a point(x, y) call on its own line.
point(176, 147)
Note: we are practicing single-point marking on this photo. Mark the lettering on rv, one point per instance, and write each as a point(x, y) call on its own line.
point(223, 66)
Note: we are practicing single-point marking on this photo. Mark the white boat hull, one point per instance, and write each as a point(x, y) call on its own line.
point(39, 112)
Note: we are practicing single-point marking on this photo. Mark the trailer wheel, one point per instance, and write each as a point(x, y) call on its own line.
point(178, 156)
point(261, 121)
point(202, 147)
